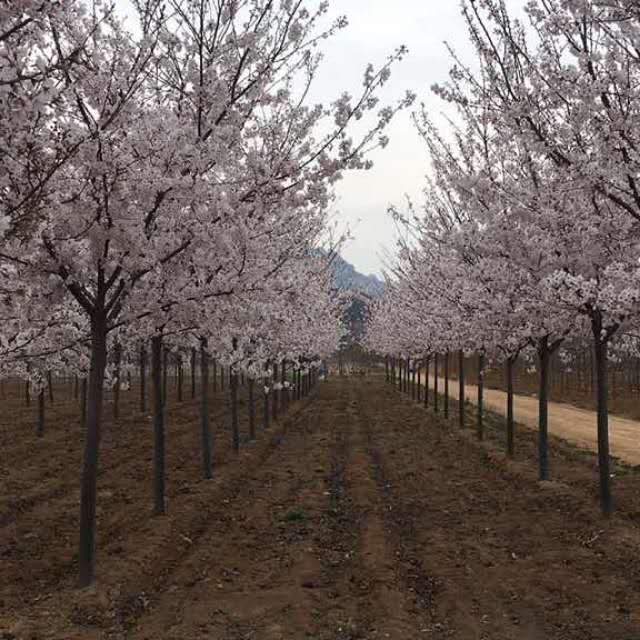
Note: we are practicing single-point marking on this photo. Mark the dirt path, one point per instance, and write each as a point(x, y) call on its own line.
point(357, 516)
point(565, 421)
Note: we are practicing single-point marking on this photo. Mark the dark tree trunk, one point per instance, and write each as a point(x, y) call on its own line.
point(418, 389)
point(83, 405)
point(299, 384)
point(600, 356)
point(252, 410)
point(461, 399)
point(413, 381)
point(222, 378)
point(267, 412)
point(543, 406)
point(116, 384)
point(386, 368)
point(27, 392)
point(158, 387)
point(274, 395)
point(50, 385)
point(510, 422)
point(446, 384)
point(86, 551)
point(435, 383)
point(193, 373)
point(165, 372)
point(205, 428)
point(215, 376)
point(76, 387)
point(143, 379)
point(283, 391)
point(235, 430)
point(41, 409)
point(180, 377)
point(426, 381)
point(480, 396)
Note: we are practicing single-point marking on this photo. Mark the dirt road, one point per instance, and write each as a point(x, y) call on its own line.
point(358, 516)
point(565, 421)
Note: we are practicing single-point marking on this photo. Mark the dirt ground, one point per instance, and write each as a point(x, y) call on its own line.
point(358, 515)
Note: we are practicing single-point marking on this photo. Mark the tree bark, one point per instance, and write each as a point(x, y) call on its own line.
point(116, 383)
point(274, 394)
point(426, 382)
point(510, 422)
point(143, 379)
point(543, 406)
point(480, 396)
point(86, 551)
point(600, 356)
point(205, 427)
point(193, 373)
point(435, 383)
point(159, 390)
point(50, 386)
point(461, 400)
point(446, 384)
point(41, 411)
point(235, 430)
point(252, 410)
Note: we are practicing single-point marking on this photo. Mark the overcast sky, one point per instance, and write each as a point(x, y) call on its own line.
point(376, 28)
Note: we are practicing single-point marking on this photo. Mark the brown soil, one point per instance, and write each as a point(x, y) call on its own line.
point(358, 515)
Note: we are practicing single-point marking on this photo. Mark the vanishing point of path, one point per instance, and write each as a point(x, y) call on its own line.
point(361, 516)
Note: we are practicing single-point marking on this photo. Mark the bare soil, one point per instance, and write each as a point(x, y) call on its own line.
point(357, 515)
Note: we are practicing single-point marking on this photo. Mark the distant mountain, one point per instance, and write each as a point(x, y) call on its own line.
point(345, 276)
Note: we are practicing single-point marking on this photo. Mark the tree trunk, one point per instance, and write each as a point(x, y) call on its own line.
point(116, 383)
point(143, 379)
point(165, 371)
point(600, 354)
point(480, 396)
point(235, 430)
point(180, 376)
point(267, 412)
point(435, 383)
point(205, 428)
point(274, 395)
point(86, 551)
point(510, 422)
point(76, 387)
point(252, 410)
point(461, 400)
point(50, 385)
point(426, 382)
point(386, 368)
point(159, 390)
point(283, 391)
point(418, 390)
point(543, 406)
point(83, 405)
point(446, 384)
point(193, 373)
point(41, 409)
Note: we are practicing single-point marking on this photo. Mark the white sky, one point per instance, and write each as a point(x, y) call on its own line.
point(376, 28)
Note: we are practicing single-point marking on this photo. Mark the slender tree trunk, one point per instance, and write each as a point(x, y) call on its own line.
point(222, 378)
point(418, 390)
point(88, 492)
point(461, 391)
point(435, 383)
point(480, 396)
point(83, 405)
point(27, 393)
point(143, 379)
point(426, 382)
point(543, 406)
point(267, 412)
point(41, 410)
point(386, 368)
point(180, 376)
point(165, 371)
point(299, 384)
point(413, 381)
point(50, 385)
point(235, 430)
point(158, 370)
point(446, 384)
point(600, 355)
point(76, 387)
point(283, 391)
point(116, 384)
point(252, 410)
point(205, 427)
point(274, 395)
point(193, 373)
point(510, 422)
